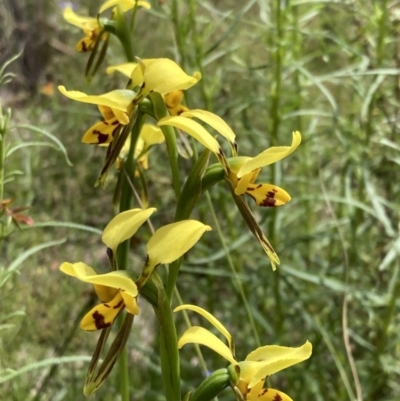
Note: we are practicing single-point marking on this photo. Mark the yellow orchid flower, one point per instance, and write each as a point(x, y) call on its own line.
point(160, 75)
point(114, 106)
point(169, 243)
point(244, 172)
point(186, 122)
point(115, 290)
point(90, 27)
point(173, 98)
point(257, 366)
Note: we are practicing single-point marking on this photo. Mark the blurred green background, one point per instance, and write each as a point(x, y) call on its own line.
point(329, 69)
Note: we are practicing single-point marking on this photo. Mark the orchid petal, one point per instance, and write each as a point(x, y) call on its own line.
point(124, 225)
point(268, 195)
point(117, 279)
point(267, 360)
point(118, 99)
point(163, 75)
point(103, 315)
point(151, 135)
point(212, 319)
point(172, 241)
point(258, 393)
point(101, 132)
point(194, 129)
point(86, 44)
point(89, 23)
point(130, 303)
point(270, 156)
point(199, 335)
point(104, 293)
point(213, 121)
point(173, 99)
point(124, 68)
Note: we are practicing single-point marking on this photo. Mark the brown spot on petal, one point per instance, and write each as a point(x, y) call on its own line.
point(270, 200)
point(277, 397)
point(102, 138)
point(264, 391)
point(99, 321)
point(119, 304)
point(115, 122)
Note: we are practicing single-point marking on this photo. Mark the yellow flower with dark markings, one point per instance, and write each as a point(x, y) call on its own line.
point(116, 290)
point(257, 366)
point(114, 106)
point(173, 93)
point(244, 172)
point(91, 26)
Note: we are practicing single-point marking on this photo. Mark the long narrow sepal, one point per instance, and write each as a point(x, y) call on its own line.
point(255, 228)
point(94, 381)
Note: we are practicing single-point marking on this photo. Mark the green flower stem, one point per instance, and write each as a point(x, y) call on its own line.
point(153, 292)
point(179, 35)
point(133, 19)
point(189, 196)
point(123, 249)
point(160, 111)
point(277, 38)
point(124, 34)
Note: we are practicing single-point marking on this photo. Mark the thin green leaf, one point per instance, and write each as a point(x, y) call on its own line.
point(65, 224)
point(47, 135)
point(44, 364)
point(25, 255)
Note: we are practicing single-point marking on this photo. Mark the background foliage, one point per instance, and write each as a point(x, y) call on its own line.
point(328, 69)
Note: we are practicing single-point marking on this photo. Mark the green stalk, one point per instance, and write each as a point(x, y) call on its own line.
point(160, 111)
point(198, 46)
point(178, 36)
point(277, 38)
point(124, 34)
point(154, 293)
point(133, 19)
point(123, 249)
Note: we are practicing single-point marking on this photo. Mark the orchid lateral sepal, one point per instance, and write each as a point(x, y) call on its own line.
point(115, 147)
point(250, 220)
point(95, 379)
point(89, 71)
